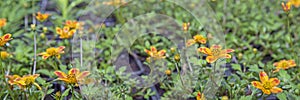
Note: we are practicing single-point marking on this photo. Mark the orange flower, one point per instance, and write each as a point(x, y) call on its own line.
point(296, 3)
point(26, 81)
point(185, 26)
point(41, 17)
point(65, 33)
point(4, 39)
point(215, 52)
point(53, 52)
point(196, 39)
point(2, 22)
point(74, 76)
point(284, 64)
point(153, 53)
point(200, 96)
point(267, 85)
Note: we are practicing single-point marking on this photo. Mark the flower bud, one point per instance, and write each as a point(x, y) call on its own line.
point(168, 72)
point(42, 35)
point(254, 50)
point(45, 29)
point(224, 98)
point(33, 27)
point(4, 55)
point(173, 50)
point(177, 57)
point(240, 56)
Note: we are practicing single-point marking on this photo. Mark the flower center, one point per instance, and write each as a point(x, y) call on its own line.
point(29, 81)
point(267, 85)
point(216, 52)
point(284, 64)
point(52, 51)
point(72, 78)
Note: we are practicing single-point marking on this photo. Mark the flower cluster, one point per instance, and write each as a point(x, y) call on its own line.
point(155, 54)
point(196, 39)
point(69, 29)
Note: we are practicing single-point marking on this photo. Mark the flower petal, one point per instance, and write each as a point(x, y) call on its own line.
point(37, 85)
point(216, 47)
point(60, 74)
point(227, 56)
point(83, 74)
point(292, 63)
point(205, 50)
point(257, 84)
point(190, 42)
point(229, 50)
point(266, 91)
point(276, 90)
point(263, 76)
point(153, 49)
point(274, 81)
point(162, 52)
point(74, 71)
point(58, 30)
point(211, 59)
point(6, 37)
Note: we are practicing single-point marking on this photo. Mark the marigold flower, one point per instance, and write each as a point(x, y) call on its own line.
point(2, 22)
point(4, 39)
point(215, 52)
point(65, 33)
point(153, 53)
point(74, 76)
point(4, 54)
point(296, 3)
point(267, 85)
point(196, 39)
point(42, 17)
point(185, 26)
point(286, 7)
point(200, 96)
point(284, 64)
point(53, 52)
point(115, 2)
point(27, 80)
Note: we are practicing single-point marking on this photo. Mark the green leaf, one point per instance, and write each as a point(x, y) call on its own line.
point(281, 96)
point(236, 67)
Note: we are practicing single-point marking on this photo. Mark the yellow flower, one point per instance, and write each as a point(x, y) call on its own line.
point(200, 96)
point(2, 22)
point(185, 26)
point(27, 80)
point(296, 3)
point(196, 39)
point(53, 52)
point(215, 52)
point(286, 7)
point(73, 24)
point(41, 17)
point(284, 64)
point(4, 39)
point(115, 2)
point(4, 54)
point(74, 76)
point(153, 53)
point(65, 33)
point(267, 85)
